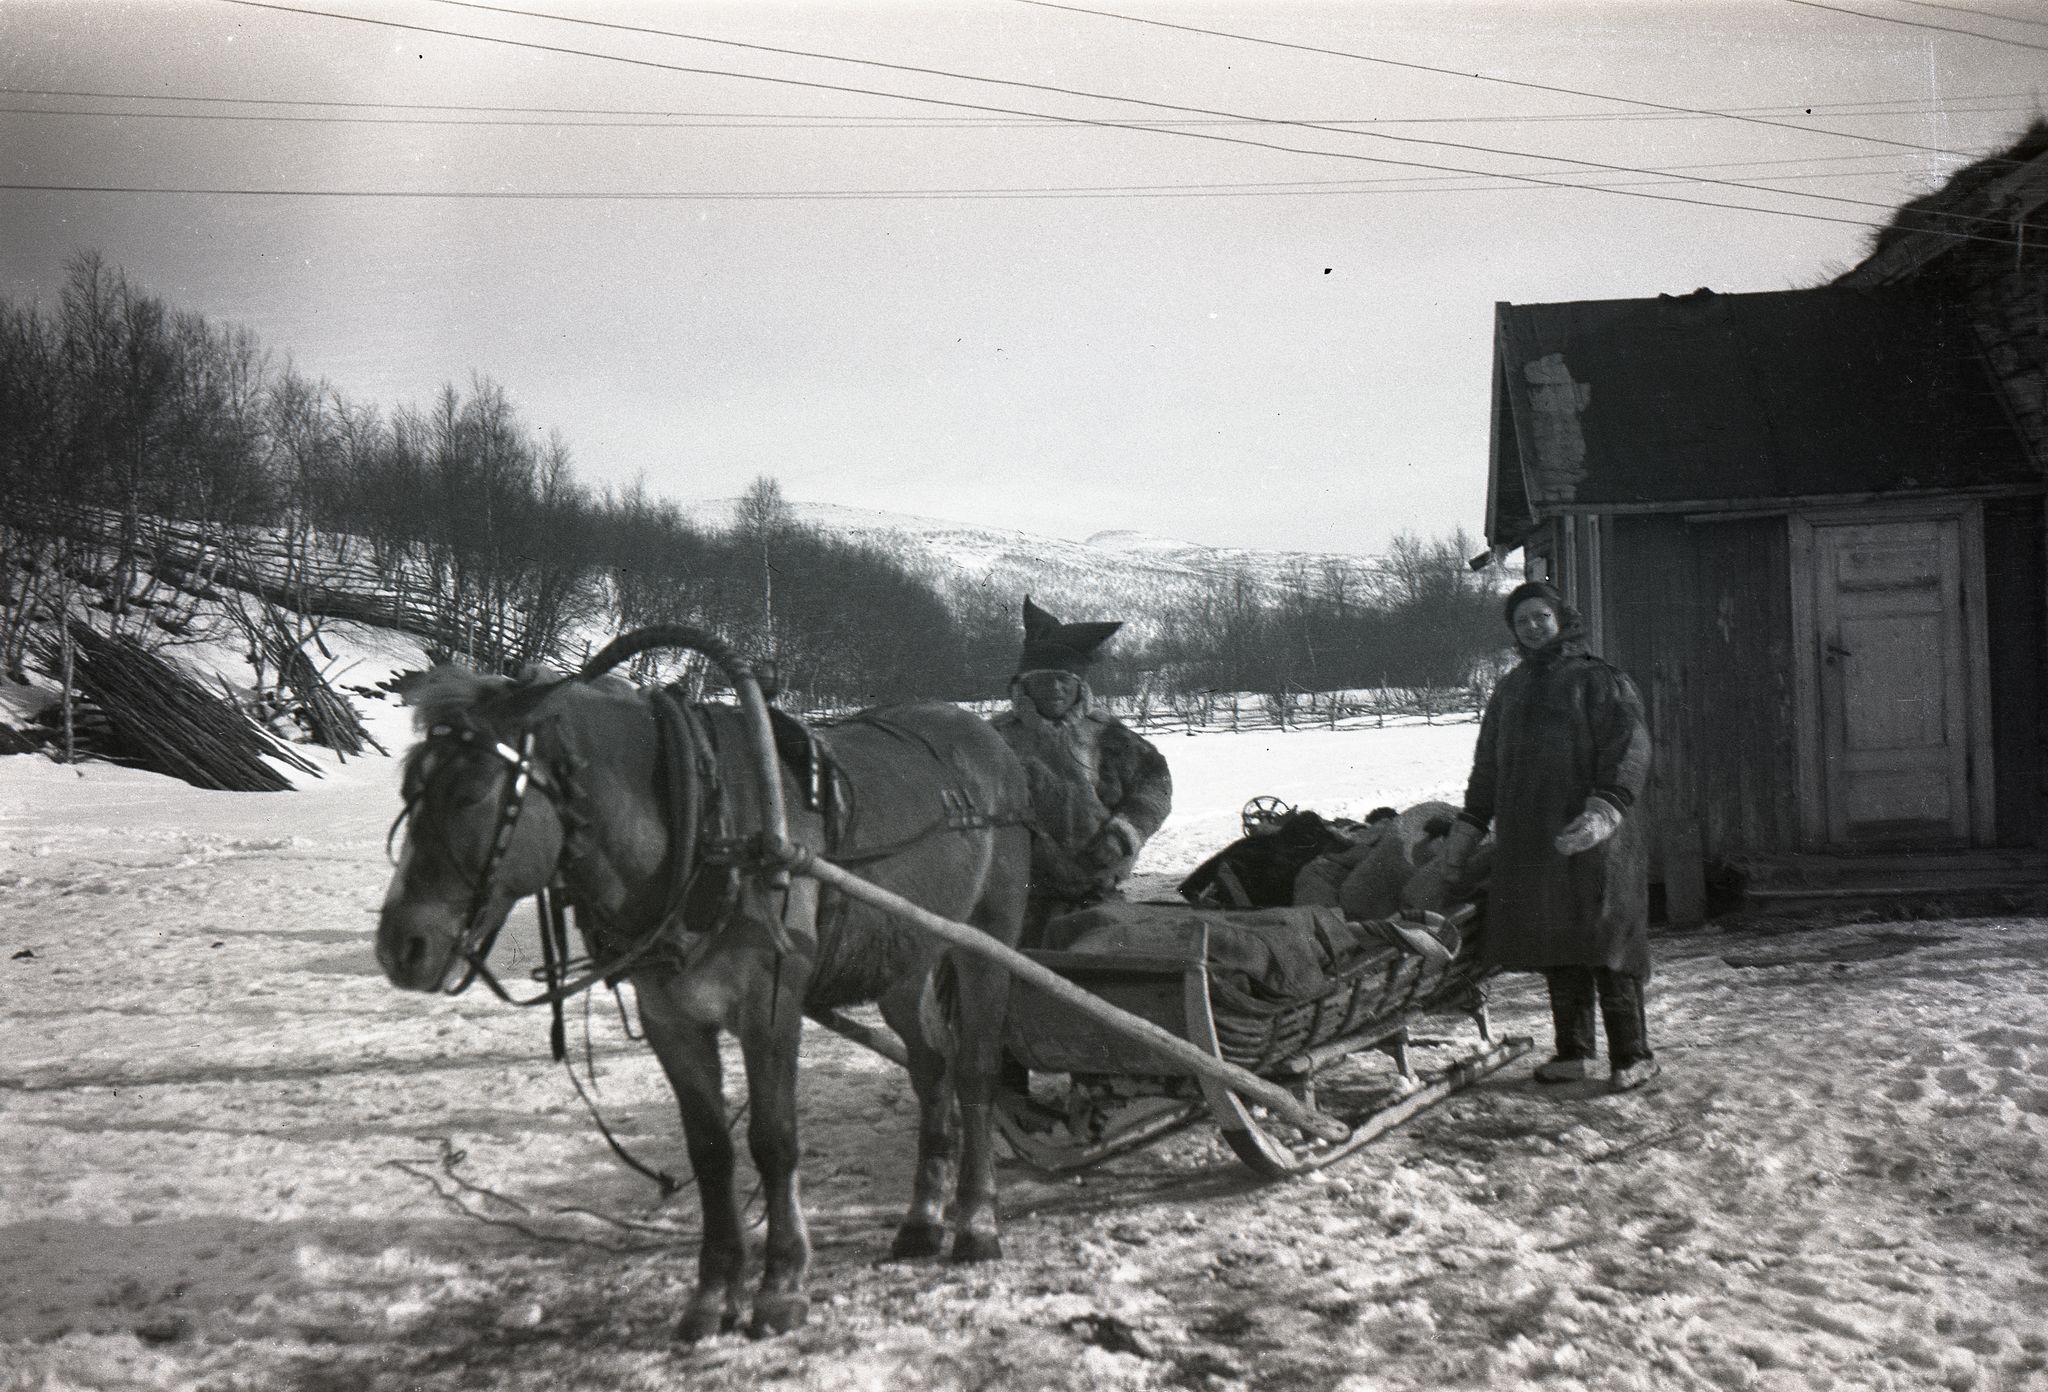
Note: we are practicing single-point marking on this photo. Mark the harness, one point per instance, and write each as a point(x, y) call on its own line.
point(713, 856)
point(716, 848)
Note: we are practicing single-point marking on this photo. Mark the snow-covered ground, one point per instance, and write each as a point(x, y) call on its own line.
point(231, 1156)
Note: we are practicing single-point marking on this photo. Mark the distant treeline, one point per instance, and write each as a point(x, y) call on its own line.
point(150, 459)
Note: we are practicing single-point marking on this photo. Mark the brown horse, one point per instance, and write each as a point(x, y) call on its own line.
point(641, 813)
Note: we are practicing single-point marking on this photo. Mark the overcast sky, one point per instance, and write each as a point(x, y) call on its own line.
point(954, 306)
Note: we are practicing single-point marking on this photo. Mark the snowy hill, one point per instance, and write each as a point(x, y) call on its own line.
point(1115, 574)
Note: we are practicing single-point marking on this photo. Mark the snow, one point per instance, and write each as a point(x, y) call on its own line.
point(231, 1156)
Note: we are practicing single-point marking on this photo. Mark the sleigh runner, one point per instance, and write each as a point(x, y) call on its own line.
point(1162, 962)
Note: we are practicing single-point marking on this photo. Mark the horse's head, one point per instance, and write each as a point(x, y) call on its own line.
point(487, 808)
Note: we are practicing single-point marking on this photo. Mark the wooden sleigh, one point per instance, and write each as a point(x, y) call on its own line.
point(1120, 1094)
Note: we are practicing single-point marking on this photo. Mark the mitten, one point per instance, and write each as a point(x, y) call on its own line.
point(1600, 820)
point(1117, 841)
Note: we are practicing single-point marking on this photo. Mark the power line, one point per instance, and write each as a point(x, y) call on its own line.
point(1077, 120)
point(1138, 101)
point(656, 119)
point(1318, 188)
point(1333, 123)
point(1982, 14)
point(1676, 173)
point(1329, 187)
point(1477, 77)
point(1894, 19)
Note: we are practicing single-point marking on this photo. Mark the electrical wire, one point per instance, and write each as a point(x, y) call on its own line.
point(1330, 187)
point(850, 124)
point(1981, 14)
point(1671, 173)
point(1322, 188)
point(1894, 19)
point(1054, 89)
point(725, 120)
point(1471, 76)
point(1077, 120)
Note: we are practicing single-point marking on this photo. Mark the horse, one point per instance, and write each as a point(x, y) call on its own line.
point(641, 823)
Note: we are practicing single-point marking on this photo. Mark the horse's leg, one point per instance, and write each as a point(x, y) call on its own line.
point(980, 1018)
point(771, 1034)
point(980, 1013)
point(689, 1056)
point(923, 1231)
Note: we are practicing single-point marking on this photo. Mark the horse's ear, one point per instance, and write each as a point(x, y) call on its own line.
point(444, 691)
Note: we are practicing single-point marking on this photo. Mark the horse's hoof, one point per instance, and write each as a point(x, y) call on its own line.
point(977, 1247)
point(702, 1321)
point(778, 1314)
point(914, 1240)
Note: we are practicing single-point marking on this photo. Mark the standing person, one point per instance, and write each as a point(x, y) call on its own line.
point(1563, 754)
point(1098, 788)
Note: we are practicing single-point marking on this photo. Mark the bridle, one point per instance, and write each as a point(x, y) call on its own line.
point(692, 783)
point(479, 935)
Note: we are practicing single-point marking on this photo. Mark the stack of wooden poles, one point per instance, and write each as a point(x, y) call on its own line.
point(164, 719)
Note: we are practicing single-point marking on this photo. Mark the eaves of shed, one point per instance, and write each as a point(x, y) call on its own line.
point(1708, 401)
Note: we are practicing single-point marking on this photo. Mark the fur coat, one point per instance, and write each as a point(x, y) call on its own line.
point(1563, 726)
point(1098, 792)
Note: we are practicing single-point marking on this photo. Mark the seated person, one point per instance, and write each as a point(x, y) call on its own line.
point(1098, 788)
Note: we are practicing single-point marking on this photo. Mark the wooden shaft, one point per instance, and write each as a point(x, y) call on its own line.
point(775, 829)
point(1241, 1081)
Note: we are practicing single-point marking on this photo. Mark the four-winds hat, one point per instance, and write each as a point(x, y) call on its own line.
point(1066, 647)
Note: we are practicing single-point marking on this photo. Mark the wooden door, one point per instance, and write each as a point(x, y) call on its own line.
point(1893, 669)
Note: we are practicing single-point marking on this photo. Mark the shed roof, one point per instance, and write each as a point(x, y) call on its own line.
point(1682, 401)
point(1982, 209)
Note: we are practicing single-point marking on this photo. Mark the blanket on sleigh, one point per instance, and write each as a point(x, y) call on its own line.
point(1260, 960)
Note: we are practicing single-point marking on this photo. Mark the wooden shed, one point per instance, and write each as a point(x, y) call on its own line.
point(1810, 523)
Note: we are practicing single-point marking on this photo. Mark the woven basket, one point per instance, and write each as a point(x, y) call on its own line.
point(1378, 992)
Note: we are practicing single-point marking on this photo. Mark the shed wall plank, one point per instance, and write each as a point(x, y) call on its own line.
point(1702, 619)
point(2016, 596)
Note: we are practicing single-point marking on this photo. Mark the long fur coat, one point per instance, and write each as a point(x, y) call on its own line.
point(1098, 792)
point(1563, 726)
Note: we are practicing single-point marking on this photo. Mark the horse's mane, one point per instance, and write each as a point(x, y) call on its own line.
point(444, 692)
point(448, 691)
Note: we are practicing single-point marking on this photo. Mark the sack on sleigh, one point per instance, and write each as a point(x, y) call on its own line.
point(1260, 960)
point(1369, 870)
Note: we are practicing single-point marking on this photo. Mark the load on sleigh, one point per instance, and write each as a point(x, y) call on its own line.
point(1308, 941)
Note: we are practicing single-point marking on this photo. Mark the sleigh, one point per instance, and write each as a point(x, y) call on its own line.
point(1347, 1041)
point(1298, 1033)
